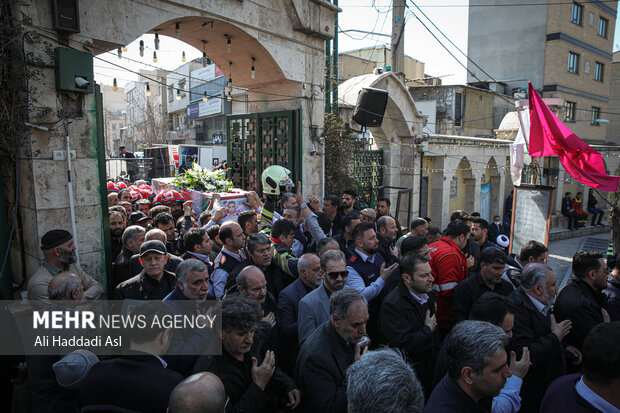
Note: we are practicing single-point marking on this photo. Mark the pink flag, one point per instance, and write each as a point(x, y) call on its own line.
point(549, 136)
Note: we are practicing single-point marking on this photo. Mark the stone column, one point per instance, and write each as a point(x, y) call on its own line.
point(477, 175)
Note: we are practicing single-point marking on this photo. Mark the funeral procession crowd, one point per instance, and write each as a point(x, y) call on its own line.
point(326, 307)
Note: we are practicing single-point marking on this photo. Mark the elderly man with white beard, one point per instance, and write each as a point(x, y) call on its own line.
point(59, 252)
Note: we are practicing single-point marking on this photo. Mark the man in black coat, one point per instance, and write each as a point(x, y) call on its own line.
point(171, 264)
point(477, 369)
point(251, 283)
point(612, 292)
point(254, 384)
point(496, 229)
point(345, 239)
point(535, 328)
point(133, 237)
point(386, 234)
point(582, 300)
point(407, 318)
point(154, 282)
point(328, 352)
point(568, 210)
point(492, 262)
point(288, 303)
point(260, 254)
point(138, 381)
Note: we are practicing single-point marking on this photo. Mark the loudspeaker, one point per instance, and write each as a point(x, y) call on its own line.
point(66, 16)
point(370, 107)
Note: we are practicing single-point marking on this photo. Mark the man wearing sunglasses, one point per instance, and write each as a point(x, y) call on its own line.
point(314, 307)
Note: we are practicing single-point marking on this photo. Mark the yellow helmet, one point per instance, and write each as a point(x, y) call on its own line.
point(274, 177)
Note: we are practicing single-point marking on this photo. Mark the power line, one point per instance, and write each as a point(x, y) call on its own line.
point(451, 42)
point(287, 97)
point(431, 6)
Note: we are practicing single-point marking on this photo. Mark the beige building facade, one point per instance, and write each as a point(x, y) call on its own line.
point(613, 127)
point(114, 117)
point(565, 49)
point(364, 61)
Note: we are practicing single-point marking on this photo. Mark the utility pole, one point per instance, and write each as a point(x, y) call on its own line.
point(398, 39)
point(328, 75)
point(335, 65)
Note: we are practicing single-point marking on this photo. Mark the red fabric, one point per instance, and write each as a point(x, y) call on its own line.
point(449, 267)
point(549, 136)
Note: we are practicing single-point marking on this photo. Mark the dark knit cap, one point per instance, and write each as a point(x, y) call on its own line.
point(54, 238)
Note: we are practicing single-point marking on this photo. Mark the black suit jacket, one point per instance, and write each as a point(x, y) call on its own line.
point(386, 253)
point(137, 381)
point(582, 305)
point(320, 371)
point(401, 321)
point(533, 330)
point(245, 395)
point(288, 305)
point(469, 290)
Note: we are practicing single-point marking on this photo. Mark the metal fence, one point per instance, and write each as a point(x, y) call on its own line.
point(138, 168)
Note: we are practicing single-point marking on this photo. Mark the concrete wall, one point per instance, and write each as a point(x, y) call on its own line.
point(507, 42)
point(364, 61)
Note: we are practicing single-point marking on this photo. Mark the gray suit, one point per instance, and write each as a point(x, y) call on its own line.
point(313, 311)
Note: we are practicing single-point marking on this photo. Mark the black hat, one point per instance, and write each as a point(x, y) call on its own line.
point(153, 246)
point(136, 217)
point(121, 147)
point(54, 238)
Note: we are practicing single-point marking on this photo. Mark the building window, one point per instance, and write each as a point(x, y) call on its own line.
point(587, 67)
point(596, 114)
point(114, 126)
point(602, 27)
point(573, 62)
point(458, 109)
point(170, 93)
point(182, 87)
point(591, 19)
point(569, 108)
point(598, 71)
point(576, 14)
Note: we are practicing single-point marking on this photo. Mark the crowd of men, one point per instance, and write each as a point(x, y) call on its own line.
point(329, 308)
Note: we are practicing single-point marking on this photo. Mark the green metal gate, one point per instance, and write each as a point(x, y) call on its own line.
point(368, 172)
point(258, 140)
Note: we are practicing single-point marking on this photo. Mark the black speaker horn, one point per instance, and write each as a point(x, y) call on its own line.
point(370, 107)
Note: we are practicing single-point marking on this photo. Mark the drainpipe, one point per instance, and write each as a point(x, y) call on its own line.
point(5, 259)
point(71, 202)
point(335, 65)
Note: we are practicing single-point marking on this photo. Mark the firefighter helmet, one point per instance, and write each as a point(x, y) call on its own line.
point(274, 177)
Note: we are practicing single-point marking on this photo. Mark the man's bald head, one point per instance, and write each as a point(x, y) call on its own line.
point(65, 286)
point(251, 283)
point(156, 234)
point(199, 393)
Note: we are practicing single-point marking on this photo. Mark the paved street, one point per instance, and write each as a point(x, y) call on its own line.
point(562, 251)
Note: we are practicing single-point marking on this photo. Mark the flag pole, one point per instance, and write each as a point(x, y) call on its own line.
point(520, 104)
